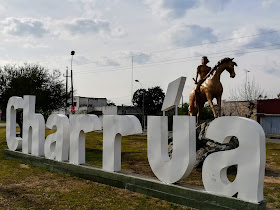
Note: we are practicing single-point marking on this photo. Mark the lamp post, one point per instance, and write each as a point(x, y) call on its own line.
point(66, 95)
point(143, 107)
point(72, 91)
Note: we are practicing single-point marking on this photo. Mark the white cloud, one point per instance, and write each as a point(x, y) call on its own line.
point(81, 60)
point(24, 27)
point(204, 21)
point(271, 65)
point(37, 28)
point(2, 8)
point(103, 61)
point(107, 62)
point(118, 32)
point(268, 3)
point(183, 35)
point(138, 56)
point(83, 25)
point(35, 46)
point(178, 8)
point(174, 8)
point(261, 37)
point(215, 5)
point(274, 71)
point(89, 8)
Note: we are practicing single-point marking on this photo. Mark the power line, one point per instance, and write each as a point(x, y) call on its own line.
point(119, 67)
point(144, 66)
point(94, 72)
point(126, 67)
point(179, 48)
point(241, 53)
point(214, 42)
point(178, 60)
point(211, 54)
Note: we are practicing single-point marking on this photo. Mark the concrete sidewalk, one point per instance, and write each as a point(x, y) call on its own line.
point(277, 141)
point(274, 138)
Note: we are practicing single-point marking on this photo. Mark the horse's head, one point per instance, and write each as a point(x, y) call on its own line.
point(230, 68)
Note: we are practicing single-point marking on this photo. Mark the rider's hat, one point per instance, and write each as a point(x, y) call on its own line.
point(204, 58)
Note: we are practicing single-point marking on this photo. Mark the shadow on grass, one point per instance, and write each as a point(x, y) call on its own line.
point(271, 172)
point(94, 157)
point(134, 162)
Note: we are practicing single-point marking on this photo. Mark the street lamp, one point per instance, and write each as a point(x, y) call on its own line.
point(143, 107)
point(72, 91)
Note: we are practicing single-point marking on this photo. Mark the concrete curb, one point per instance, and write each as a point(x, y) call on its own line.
point(181, 194)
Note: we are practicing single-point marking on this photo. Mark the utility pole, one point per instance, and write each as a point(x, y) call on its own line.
point(72, 89)
point(246, 72)
point(66, 95)
point(143, 110)
point(131, 78)
point(143, 106)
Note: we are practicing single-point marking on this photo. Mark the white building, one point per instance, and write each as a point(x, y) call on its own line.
point(98, 106)
point(85, 105)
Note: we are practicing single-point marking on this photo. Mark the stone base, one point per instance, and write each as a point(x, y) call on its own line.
point(187, 195)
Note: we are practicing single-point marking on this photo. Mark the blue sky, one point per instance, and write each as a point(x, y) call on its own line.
point(165, 37)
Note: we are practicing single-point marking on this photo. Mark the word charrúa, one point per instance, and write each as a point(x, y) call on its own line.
point(68, 144)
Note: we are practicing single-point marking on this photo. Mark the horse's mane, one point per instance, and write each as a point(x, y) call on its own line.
point(222, 61)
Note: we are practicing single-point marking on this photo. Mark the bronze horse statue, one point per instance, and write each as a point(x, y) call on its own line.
point(211, 88)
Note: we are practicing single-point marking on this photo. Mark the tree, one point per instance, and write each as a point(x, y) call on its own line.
point(183, 110)
point(244, 98)
point(153, 98)
point(110, 103)
point(248, 91)
point(32, 79)
point(206, 114)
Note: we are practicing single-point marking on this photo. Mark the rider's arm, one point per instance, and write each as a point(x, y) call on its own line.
point(209, 70)
point(197, 73)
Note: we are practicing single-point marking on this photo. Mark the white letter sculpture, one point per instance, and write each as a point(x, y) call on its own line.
point(184, 144)
point(14, 143)
point(115, 127)
point(79, 125)
point(33, 128)
point(249, 158)
point(57, 144)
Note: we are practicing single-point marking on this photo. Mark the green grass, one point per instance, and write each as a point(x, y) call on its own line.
point(272, 154)
point(25, 186)
point(134, 153)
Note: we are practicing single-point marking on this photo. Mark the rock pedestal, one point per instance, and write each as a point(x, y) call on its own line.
point(205, 146)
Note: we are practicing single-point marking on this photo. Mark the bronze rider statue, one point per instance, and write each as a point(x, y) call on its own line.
point(202, 72)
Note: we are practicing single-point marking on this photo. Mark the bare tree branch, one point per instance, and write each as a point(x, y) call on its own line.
point(243, 100)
